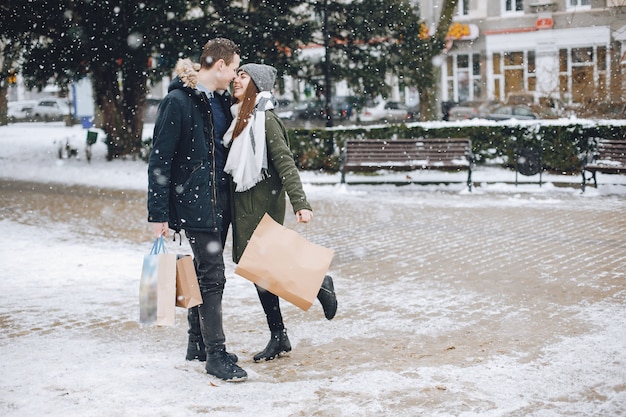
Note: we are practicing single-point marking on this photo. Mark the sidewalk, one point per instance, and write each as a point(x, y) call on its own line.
point(450, 304)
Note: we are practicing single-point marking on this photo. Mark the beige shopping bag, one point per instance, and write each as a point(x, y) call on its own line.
point(187, 288)
point(157, 288)
point(283, 262)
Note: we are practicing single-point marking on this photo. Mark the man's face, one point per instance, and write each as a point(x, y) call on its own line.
point(228, 72)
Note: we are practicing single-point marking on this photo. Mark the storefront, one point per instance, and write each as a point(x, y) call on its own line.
point(572, 64)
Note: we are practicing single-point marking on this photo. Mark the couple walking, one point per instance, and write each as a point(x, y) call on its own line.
point(220, 162)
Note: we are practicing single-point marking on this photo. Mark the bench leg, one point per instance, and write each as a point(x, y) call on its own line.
point(591, 177)
point(584, 183)
point(595, 181)
point(469, 180)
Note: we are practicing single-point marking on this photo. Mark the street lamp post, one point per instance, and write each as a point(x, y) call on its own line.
point(327, 87)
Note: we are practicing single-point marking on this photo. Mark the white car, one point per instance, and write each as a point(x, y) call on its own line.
point(385, 111)
point(18, 111)
point(52, 108)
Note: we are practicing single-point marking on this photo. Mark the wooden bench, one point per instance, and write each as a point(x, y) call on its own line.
point(607, 156)
point(453, 154)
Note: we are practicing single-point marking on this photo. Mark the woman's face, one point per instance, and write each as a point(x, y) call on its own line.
point(240, 84)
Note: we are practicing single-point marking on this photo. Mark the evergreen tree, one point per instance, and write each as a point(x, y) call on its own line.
point(124, 44)
point(373, 39)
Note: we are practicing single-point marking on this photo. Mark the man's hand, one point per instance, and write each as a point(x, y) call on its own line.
point(160, 229)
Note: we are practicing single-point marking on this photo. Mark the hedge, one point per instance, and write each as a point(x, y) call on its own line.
point(562, 142)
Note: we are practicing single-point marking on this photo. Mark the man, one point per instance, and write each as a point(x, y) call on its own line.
point(187, 188)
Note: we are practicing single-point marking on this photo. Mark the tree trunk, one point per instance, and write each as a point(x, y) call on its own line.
point(428, 84)
point(4, 119)
point(122, 112)
point(135, 92)
point(429, 110)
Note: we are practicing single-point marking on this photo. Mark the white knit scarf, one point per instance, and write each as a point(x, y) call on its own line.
point(247, 159)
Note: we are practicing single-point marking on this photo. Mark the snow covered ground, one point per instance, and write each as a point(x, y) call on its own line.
point(71, 344)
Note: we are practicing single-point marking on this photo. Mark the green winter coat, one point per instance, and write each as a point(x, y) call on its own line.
point(268, 195)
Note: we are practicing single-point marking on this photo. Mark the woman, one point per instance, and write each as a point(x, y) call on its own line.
point(263, 169)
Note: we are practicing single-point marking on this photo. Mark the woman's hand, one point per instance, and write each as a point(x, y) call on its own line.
point(304, 216)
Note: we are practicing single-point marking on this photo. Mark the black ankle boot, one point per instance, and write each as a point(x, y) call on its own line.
point(195, 350)
point(327, 297)
point(279, 343)
point(220, 365)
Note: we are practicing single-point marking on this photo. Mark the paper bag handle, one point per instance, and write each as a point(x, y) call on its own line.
point(158, 246)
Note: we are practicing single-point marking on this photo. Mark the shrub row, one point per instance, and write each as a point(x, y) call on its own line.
point(562, 145)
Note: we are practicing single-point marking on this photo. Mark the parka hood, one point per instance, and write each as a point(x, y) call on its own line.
point(186, 75)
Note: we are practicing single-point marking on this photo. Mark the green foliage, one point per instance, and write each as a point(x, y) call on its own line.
point(125, 44)
point(562, 146)
point(370, 40)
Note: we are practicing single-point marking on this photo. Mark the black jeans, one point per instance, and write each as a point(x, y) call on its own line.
point(208, 254)
point(205, 321)
point(213, 282)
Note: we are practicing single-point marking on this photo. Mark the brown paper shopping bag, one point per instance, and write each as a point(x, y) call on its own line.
point(187, 288)
point(283, 262)
point(157, 288)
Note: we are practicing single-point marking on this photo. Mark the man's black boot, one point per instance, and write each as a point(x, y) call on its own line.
point(195, 349)
point(220, 365)
point(218, 362)
point(279, 343)
point(195, 344)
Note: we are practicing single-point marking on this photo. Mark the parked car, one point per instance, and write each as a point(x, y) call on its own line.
point(413, 113)
point(152, 107)
point(546, 107)
point(471, 109)
point(304, 110)
point(343, 107)
point(19, 111)
point(52, 108)
point(383, 110)
point(603, 110)
point(520, 112)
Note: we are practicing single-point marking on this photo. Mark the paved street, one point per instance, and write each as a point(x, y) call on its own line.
point(500, 304)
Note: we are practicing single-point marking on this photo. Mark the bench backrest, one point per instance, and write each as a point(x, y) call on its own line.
point(611, 150)
point(432, 151)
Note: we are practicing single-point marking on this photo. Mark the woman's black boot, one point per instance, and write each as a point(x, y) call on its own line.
point(279, 343)
point(327, 297)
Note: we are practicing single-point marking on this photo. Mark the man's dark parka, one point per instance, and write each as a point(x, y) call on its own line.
point(184, 162)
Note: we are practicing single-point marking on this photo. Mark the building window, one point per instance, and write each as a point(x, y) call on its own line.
point(463, 77)
point(462, 8)
point(513, 71)
point(514, 6)
point(583, 73)
point(578, 4)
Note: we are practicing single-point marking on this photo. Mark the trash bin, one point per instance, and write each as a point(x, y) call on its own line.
point(92, 137)
point(528, 161)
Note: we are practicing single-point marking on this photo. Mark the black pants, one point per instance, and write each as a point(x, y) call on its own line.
point(212, 282)
point(208, 254)
point(209, 262)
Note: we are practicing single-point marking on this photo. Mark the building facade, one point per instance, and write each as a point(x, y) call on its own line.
point(573, 50)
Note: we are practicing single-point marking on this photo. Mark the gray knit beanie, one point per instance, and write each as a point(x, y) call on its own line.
point(262, 75)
